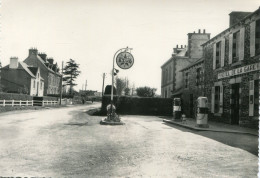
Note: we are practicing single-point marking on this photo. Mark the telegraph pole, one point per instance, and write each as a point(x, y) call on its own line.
point(104, 75)
point(61, 82)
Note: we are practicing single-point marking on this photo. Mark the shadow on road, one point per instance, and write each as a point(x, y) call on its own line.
point(246, 142)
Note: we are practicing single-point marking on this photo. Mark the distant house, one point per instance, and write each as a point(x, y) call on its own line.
point(18, 77)
point(172, 77)
point(49, 70)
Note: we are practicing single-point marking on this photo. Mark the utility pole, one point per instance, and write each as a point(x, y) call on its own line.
point(61, 82)
point(86, 85)
point(104, 75)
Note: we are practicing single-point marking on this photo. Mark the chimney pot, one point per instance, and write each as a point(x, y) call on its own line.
point(13, 63)
point(199, 30)
point(50, 60)
point(43, 56)
point(176, 46)
point(181, 46)
point(33, 51)
point(204, 31)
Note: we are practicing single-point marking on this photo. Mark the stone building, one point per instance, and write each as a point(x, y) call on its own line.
point(193, 79)
point(171, 76)
point(49, 70)
point(232, 64)
point(18, 77)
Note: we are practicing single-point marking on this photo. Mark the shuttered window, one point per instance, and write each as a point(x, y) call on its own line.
point(222, 52)
point(230, 49)
point(257, 37)
point(235, 46)
point(218, 54)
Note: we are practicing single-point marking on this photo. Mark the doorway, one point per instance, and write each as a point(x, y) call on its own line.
point(191, 106)
point(235, 104)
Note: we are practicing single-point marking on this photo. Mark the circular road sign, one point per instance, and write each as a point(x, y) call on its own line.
point(125, 60)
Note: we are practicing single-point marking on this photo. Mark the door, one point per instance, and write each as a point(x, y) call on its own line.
point(37, 89)
point(191, 106)
point(235, 104)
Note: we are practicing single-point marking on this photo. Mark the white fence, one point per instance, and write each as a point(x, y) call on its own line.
point(27, 103)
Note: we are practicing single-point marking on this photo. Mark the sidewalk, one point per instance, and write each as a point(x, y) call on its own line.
point(213, 126)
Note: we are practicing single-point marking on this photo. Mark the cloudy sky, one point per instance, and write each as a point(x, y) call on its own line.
point(91, 31)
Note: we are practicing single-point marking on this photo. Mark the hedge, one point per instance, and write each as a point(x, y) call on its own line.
point(23, 97)
point(14, 96)
point(139, 105)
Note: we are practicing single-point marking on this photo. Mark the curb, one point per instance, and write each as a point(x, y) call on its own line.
point(103, 122)
point(206, 129)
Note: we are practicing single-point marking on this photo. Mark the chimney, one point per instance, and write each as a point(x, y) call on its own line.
point(43, 56)
point(181, 46)
point(204, 31)
point(199, 30)
point(185, 46)
point(13, 63)
point(176, 46)
point(237, 16)
point(33, 51)
point(50, 60)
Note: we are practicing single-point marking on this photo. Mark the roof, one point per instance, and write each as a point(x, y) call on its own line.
point(193, 64)
point(228, 29)
point(33, 70)
point(181, 54)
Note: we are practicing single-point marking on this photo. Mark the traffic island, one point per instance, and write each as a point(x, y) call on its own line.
point(112, 117)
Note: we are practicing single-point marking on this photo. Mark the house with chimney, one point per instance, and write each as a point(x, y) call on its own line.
point(232, 71)
point(49, 71)
point(18, 77)
point(172, 77)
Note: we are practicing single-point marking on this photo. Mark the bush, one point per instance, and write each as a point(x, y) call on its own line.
point(139, 105)
point(14, 96)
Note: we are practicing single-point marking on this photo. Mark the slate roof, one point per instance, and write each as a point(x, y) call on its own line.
point(193, 64)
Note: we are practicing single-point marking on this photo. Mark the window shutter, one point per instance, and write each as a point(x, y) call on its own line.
point(222, 52)
point(230, 48)
point(252, 39)
point(241, 45)
point(221, 99)
point(212, 99)
point(251, 98)
point(214, 56)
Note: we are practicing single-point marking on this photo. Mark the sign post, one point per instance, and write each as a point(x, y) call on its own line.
point(125, 60)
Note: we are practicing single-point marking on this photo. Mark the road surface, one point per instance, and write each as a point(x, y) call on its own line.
point(67, 142)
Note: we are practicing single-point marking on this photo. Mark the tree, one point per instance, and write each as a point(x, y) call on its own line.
point(70, 73)
point(145, 91)
point(127, 91)
point(120, 85)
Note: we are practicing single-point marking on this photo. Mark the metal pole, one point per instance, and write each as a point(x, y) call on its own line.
point(61, 82)
point(112, 86)
point(103, 83)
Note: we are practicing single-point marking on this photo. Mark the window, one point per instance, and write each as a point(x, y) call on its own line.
point(235, 50)
point(199, 76)
point(257, 37)
point(217, 99)
point(186, 79)
point(218, 54)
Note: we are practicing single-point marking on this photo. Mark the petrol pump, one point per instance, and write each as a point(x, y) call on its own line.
point(202, 112)
point(177, 109)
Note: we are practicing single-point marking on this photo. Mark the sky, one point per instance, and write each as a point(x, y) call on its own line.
point(91, 31)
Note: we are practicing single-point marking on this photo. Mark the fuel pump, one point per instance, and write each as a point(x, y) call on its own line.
point(177, 109)
point(202, 112)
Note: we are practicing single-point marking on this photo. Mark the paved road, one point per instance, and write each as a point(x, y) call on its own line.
point(66, 142)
